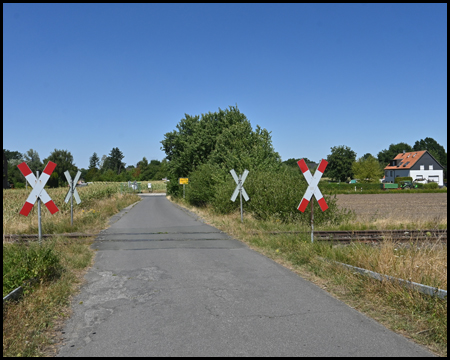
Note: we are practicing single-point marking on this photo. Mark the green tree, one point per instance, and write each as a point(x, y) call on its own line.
point(64, 161)
point(239, 147)
point(108, 175)
point(340, 163)
point(385, 156)
point(31, 157)
point(12, 155)
point(92, 175)
point(11, 173)
point(435, 149)
point(151, 170)
point(162, 171)
point(83, 173)
point(195, 138)
point(367, 169)
point(53, 182)
point(94, 161)
point(141, 167)
point(224, 140)
point(293, 162)
point(114, 161)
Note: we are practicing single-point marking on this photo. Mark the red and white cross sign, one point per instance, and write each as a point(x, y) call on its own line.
point(38, 188)
point(313, 181)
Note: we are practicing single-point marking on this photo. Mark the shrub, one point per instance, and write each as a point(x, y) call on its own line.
point(327, 187)
point(402, 178)
point(173, 188)
point(431, 185)
point(25, 262)
point(200, 190)
point(19, 185)
point(276, 195)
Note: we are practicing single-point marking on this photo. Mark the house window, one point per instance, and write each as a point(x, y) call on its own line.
point(430, 167)
point(419, 177)
point(391, 173)
point(422, 167)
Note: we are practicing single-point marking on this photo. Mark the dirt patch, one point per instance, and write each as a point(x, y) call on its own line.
point(412, 206)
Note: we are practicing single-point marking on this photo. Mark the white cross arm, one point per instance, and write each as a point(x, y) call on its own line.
point(244, 194)
point(235, 177)
point(244, 176)
point(235, 194)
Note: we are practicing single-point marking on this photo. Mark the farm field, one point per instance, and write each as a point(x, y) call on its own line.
point(400, 208)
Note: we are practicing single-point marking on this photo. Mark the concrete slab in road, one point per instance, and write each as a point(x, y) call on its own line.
point(166, 284)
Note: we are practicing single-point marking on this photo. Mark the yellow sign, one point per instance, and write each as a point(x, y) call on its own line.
point(183, 181)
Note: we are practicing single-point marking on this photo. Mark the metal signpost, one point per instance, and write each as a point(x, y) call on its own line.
point(239, 188)
point(38, 193)
point(313, 189)
point(183, 181)
point(72, 192)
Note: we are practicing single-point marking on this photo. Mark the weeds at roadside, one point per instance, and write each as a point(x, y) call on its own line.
point(29, 324)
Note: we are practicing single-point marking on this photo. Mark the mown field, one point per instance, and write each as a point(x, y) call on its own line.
point(397, 209)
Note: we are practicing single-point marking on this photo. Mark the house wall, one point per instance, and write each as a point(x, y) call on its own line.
point(426, 160)
point(414, 174)
point(395, 173)
point(427, 173)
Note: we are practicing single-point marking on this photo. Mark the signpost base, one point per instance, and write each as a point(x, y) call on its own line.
point(312, 220)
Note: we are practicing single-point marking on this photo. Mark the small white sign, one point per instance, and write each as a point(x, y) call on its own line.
point(72, 187)
point(240, 182)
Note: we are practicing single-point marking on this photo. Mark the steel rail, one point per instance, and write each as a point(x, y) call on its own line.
point(369, 235)
point(15, 237)
point(337, 235)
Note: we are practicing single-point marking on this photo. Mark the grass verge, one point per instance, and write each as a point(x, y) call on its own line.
point(30, 324)
point(416, 316)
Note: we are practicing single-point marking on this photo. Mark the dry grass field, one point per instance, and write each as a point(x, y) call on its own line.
point(416, 208)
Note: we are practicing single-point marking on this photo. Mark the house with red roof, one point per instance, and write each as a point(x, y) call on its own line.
point(420, 165)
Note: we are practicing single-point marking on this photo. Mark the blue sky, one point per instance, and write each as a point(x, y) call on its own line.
point(89, 77)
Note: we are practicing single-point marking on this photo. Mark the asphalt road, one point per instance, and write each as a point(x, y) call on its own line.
point(166, 284)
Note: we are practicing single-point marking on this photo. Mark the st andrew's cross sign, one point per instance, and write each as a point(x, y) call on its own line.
point(38, 188)
point(239, 188)
point(313, 182)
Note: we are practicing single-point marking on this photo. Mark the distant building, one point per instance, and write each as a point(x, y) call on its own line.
point(421, 166)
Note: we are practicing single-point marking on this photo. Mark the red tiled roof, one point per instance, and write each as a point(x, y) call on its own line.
point(408, 159)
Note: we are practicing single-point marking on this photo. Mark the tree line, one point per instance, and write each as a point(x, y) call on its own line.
point(107, 168)
point(344, 165)
point(212, 143)
point(204, 148)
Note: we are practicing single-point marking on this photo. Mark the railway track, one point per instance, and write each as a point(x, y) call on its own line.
point(371, 235)
point(340, 236)
point(8, 238)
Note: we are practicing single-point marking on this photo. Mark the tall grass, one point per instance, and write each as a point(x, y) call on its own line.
point(91, 213)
